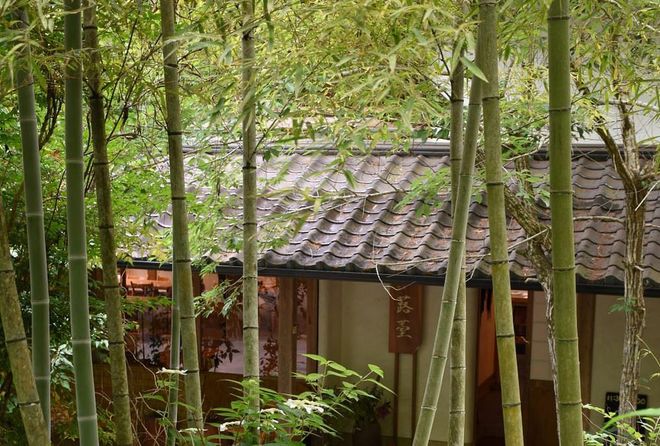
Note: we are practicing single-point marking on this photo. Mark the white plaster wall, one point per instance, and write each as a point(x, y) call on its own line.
point(540, 368)
point(353, 330)
point(608, 351)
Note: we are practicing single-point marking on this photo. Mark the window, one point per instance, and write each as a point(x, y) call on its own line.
point(220, 335)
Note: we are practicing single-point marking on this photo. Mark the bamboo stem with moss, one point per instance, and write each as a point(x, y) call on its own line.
point(110, 285)
point(36, 429)
point(454, 268)
point(561, 214)
point(34, 213)
point(497, 229)
point(250, 280)
point(76, 231)
point(181, 246)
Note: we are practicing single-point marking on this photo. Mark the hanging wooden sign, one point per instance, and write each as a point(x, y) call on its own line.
point(405, 318)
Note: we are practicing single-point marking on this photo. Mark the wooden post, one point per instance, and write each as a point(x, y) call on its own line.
point(311, 288)
point(413, 399)
point(286, 349)
point(395, 398)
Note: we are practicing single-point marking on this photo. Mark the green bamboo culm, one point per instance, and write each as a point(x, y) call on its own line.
point(497, 229)
point(561, 214)
point(76, 231)
point(180, 246)
point(458, 332)
point(110, 286)
point(36, 429)
point(250, 285)
point(454, 268)
point(175, 362)
point(34, 213)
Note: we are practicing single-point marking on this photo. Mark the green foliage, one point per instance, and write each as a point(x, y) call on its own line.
point(618, 425)
point(286, 419)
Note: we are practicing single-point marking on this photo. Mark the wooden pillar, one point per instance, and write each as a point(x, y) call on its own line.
point(311, 287)
point(286, 338)
point(586, 313)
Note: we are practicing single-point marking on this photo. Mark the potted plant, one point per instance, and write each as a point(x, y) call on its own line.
point(367, 413)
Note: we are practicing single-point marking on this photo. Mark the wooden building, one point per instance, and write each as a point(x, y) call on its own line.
point(329, 289)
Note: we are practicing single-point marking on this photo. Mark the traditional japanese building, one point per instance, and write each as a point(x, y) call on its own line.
point(358, 275)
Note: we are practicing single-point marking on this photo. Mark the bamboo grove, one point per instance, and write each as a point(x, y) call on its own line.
point(106, 109)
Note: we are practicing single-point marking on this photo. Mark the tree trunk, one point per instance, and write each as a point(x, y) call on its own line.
point(505, 335)
point(250, 285)
point(635, 186)
point(453, 274)
point(34, 213)
point(635, 309)
point(458, 331)
point(180, 248)
point(110, 287)
point(76, 231)
point(35, 425)
point(561, 207)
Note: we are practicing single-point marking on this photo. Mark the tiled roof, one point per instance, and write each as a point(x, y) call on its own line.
point(365, 227)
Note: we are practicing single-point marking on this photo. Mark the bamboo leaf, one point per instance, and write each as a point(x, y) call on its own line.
point(473, 68)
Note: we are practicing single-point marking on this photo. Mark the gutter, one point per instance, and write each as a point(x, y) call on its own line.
point(482, 282)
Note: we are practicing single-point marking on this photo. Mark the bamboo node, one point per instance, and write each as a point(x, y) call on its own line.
point(495, 183)
point(178, 198)
point(182, 261)
point(15, 340)
point(505, 335)
point(34, 214)
point(106, 227)
point(81, 342)
point(174, 133)
point(116, 343)
point(567, 339)
point(563, 269)
point(87, 418)
point(570, 403)
point(490, 98)
point(510, 405)
point(28, 403)
point(559, 109)
point(499, 262)
point(558, 17)
point(109, 286)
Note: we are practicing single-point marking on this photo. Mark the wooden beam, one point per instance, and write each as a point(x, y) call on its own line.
point(286, 339)
point(586, 312)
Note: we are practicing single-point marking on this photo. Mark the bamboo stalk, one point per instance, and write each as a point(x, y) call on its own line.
point(250, 284)
point(175, 361)
point(454, 267)
point(35, 222)
point(76, 231)
point(497, 228)
point(180, 248)
point(561, 213)
point(36, 429)
point(458, 332)
point(110, 286)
